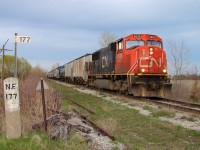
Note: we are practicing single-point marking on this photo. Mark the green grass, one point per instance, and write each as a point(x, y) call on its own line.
point(147, 108)
point(163, 113)
point(135, 131)
point(128, 126)
point(188, 118)
point(39, 141)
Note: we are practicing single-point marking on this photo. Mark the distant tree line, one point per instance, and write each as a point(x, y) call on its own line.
point(186, 77)
point(23, 67)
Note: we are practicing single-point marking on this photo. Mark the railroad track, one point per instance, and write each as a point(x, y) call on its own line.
point(170, 103)
point(180, 105)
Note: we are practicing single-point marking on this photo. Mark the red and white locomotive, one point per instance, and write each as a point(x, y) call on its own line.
point(135, 64)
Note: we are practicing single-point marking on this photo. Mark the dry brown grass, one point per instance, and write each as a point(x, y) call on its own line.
point(109, 124)
point(186, 90)
point(31, 103)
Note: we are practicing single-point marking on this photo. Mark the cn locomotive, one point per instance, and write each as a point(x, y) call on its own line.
point(135, 64)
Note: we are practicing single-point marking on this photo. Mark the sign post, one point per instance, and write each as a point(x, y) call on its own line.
point(19, 39)
point(12, 109)
point(42, 86)
point(15, 64)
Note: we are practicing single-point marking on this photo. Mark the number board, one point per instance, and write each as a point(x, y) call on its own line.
point(22, 39)
point(11, 94)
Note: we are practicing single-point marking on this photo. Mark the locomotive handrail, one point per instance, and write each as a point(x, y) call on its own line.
point(133, 64)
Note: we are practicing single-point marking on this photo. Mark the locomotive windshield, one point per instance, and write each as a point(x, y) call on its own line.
point(131, 44)
point(154, 43)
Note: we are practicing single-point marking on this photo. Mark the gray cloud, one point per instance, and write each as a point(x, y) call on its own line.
point(65, 29)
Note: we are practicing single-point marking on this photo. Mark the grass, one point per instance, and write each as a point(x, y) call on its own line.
point(163, 113)
point(188, 118)
point(38, 140)
point(129, 127)
point(147, 108)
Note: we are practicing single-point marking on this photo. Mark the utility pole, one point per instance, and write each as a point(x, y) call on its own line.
point(2, 69)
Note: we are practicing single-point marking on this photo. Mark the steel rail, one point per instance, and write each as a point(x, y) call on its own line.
point(194, 105)
point(73, 101)
point(99, 128)
point(178, 105)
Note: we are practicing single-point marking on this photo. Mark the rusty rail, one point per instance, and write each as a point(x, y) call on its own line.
point(59, 112)
point(99, 128)
point(73, 101)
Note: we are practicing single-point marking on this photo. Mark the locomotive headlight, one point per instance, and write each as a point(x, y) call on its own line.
point(151, 53)
point(143, 70)
point(164, 70)
point(151, 49)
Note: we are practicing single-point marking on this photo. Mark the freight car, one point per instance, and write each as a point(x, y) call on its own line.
point(135, 64)
point(76, 71)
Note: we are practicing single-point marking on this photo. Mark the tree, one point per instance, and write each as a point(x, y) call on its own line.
point(38, 71)
point(23, 67)
point(106, 38)
point(178, 57)
point(195, 90)
point(178, 65)
point(54, 66)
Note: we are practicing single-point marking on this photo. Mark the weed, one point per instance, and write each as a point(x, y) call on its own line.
point(147, 108)
point(163, 113)
point(110, 124)
point(188, 118)
point(196, 133)
point(38, 140)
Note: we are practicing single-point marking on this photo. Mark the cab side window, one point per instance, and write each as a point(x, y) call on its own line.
point(120, 45)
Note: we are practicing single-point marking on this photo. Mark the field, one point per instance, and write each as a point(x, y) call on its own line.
point(186, 90)
point(133, 128)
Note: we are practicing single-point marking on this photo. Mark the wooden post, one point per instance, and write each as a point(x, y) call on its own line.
point(43, 86)
point(44, 105)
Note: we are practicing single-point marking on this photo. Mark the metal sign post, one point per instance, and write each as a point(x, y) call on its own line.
point(19, 39)
point(12, 109)
point(15, 64)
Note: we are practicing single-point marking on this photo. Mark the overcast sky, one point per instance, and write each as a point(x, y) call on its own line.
point(62, 30)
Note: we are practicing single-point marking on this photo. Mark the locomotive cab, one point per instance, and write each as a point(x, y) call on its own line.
point(142, 59)
point(140, 54)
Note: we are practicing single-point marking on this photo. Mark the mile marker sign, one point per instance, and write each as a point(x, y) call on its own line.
point(22, 39)
point(12, 109)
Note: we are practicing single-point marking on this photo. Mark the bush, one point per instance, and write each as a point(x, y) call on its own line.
point(23, 67)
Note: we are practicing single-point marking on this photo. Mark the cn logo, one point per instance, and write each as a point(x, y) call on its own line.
point(147, 62)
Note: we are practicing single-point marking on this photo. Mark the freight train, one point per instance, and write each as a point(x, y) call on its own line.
point(135, 64)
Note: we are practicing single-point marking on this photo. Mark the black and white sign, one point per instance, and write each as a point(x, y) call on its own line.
point(22, 39)
point(11, 94)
